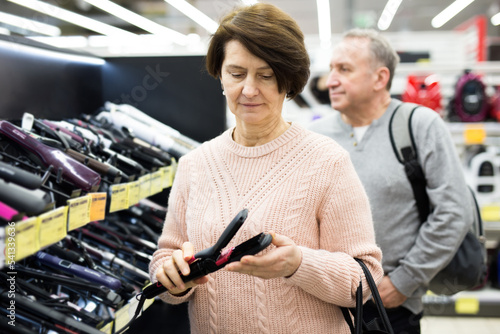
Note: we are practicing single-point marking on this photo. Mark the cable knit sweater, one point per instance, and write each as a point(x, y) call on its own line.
point(301, 185)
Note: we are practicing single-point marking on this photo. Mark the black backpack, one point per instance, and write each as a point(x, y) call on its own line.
point(468, 268)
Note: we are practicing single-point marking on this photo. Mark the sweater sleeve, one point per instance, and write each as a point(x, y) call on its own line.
point(174, 232)
point(346, 231)
point(440, 235)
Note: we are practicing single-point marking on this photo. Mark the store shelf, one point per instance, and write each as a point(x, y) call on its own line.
point(481, 303)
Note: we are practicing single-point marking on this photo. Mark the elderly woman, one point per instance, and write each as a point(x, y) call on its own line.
point(297, 185)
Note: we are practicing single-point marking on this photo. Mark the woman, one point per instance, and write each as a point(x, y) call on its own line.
point(299, 186)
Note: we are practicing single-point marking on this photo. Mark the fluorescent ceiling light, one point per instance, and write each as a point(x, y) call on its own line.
point(65, 42)
point(31, 25)
point(4, 31)
point(249, 2)
point(449, 12)
point(50, 53)
point(495, 19)
point(76, 19)
point(390, 9)
point(324, 23)
point(195, 15)
point(139, 20)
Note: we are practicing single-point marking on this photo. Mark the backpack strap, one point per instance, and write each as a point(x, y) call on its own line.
point(403, 144)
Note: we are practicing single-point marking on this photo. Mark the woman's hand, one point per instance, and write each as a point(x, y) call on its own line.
point(168, 274)
point(283, 261)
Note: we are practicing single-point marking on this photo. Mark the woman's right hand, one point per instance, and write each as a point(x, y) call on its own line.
point(169, 274)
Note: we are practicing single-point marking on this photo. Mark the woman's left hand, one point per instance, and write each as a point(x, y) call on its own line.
point(282, 261)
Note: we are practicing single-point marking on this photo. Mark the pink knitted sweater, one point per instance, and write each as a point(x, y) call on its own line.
point(301, 185)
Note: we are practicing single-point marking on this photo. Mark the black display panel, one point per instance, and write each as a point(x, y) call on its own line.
point(175, 90)
point(46, 82)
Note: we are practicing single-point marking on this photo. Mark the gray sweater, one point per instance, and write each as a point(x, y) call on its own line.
point(412, 254)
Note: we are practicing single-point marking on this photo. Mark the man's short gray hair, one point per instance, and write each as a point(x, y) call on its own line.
point(382, 51)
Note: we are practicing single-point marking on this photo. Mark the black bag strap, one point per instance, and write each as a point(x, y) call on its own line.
point(360, 327)
point(403, 144)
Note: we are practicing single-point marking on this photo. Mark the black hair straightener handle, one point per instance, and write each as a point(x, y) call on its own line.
point(211, 259)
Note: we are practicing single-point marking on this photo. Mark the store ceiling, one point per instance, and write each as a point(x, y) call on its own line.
point(412, 15)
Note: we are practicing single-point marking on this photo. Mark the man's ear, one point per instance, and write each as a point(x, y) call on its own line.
point(382, 78)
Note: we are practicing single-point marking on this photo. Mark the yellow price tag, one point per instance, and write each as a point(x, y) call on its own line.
point(78, 214)
point(97, 206)
point(53, 225)
point(108, 328)
point(474, 134)
point(144, 186)
point(174, 170)
point(490, 212)
point(133, 193)
point(467, 305)
point(156, 182)
point(167, 177)
point(148, 303)
point(26, 239)
point(119, 197)
point(122, 317)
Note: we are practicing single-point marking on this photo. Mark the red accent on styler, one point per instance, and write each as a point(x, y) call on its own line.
point(191, 260)
point(224, 257)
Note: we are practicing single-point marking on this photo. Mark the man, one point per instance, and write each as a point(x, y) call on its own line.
point(361, 72)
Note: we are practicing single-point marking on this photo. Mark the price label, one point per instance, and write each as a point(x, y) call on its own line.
point(145, 186)
point(490, 212)
point(174, 170)
point(108, 328)
point(467, 305)
point(122, 317)
point(148, 303)
point(26, 239)
point(474, 134)
point(78, 213)
point(119, 197)
point(167, 177)
point(156, 182)
point(97, 206)
point(133, 193)
point(53, 226)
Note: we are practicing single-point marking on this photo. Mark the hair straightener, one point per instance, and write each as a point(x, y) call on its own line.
point(78, 270)
point(113, 260)
point(19, 176)
point(127, 236)
point(29, 201)
point(70, 169)
point(61, 304)
point(99, 292)
point(57, 321)
point(211, 259)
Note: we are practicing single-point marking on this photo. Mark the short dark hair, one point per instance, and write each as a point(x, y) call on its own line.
point(270, 34)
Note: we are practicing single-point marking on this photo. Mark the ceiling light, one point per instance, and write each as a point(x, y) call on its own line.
point(449, 12)
point(195, 15)
point(67, 57)
point(76, 19)
point(139, 20)
point(390, 9)
point(495, 19)
point(64, 42)
point(4, 31)
point(31, 25)
point(324, 23)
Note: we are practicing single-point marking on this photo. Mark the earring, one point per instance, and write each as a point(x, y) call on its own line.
point(223, 93)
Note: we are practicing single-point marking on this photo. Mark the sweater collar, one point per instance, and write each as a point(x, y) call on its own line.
point(257, 151)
